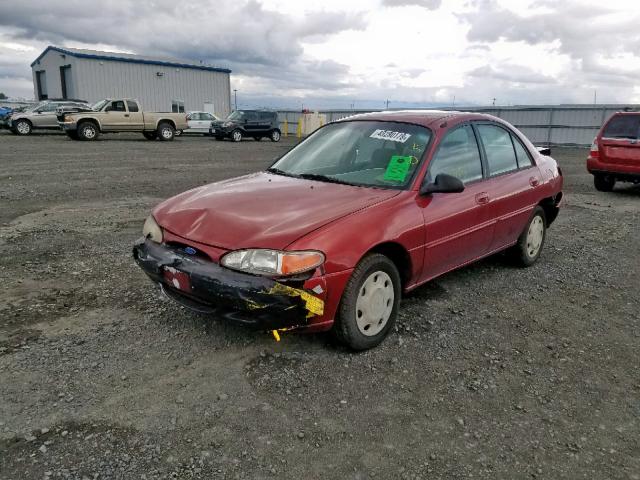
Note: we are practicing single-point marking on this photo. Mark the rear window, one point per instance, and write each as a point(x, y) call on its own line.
point(622, 126)
point(133, 106)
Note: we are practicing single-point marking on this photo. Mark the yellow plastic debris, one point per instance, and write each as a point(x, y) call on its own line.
point(276, 335)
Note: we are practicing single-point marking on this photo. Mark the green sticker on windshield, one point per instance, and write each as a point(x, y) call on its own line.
point(398, 168)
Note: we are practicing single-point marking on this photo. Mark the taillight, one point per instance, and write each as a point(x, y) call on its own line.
point(594, 152)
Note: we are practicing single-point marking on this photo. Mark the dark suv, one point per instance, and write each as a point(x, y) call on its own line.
point(247, 123)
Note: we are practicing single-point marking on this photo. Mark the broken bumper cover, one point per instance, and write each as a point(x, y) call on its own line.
point(202, 285)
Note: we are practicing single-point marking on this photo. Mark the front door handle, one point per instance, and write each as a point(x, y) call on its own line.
point(534, 182)
point(482, 198)
point(126, 114)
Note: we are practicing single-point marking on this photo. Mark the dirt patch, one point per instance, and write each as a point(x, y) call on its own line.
point(492, 371)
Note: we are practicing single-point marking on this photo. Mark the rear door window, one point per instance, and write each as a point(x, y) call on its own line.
point(622, 126)
point(133, 106)
point(524, 158)
point(501, 156)
point(458, 155)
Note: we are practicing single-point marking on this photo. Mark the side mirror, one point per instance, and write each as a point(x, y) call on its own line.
point(443, 184)
point(546, 151)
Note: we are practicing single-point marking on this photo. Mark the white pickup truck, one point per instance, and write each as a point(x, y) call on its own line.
point(119, 115)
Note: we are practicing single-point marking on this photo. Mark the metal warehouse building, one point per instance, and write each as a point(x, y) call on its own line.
point(159, 84)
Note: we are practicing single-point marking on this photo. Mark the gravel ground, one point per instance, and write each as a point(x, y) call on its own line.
point(492, 372)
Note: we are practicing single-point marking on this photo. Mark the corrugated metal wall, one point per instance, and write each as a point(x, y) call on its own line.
point(97, 79)
point(543, 125)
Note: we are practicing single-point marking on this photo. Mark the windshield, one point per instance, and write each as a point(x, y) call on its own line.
point(367, 153)
point(237, 115)
point(99, 105)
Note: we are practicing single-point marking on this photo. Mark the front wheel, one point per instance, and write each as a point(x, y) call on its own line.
point(87, 131)
point(604, 183)
point(275, 135)
point(369, 304)
point(236, 136)
point(529, 247)
point(23, 127)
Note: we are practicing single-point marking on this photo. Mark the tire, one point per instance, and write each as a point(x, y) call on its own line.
point(87, 131)
point(166, 133)
point(150, 135)
point(604, 183)
point(236, 135)
point(372, 292)
point(275, 135)
point(531, 241)
point(23, 127)
point(178, 133)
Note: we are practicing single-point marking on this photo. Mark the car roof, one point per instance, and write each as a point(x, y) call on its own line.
point(425, 118)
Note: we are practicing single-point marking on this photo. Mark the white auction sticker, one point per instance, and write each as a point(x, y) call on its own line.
point(391, 135)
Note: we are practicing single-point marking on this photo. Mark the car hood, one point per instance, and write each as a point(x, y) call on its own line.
point(261, 210)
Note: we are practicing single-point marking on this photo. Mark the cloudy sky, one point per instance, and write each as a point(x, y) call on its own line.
point(338, 53)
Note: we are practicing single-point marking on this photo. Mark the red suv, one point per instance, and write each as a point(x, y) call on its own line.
point(615, 153)
point(361, 212)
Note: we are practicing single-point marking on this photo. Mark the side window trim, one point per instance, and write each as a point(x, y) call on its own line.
point(483, 152)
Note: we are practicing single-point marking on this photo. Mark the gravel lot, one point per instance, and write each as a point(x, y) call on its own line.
point(493, 372)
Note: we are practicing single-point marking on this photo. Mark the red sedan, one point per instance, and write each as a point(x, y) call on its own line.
point(364, 210)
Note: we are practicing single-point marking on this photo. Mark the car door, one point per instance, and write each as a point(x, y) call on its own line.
point(134, 115)
point(45, 116)
point(251, 123)
point(116, 116)
point(458, 226)
point(619, 144)
point(512, 181)
point(264, 125)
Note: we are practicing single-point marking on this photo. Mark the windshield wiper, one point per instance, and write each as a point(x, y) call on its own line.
point(322, 178)
point(277, 171)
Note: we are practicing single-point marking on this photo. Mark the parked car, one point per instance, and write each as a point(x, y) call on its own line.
point(42, 116)
point(362, 211)
point(200, 122)
point(256, 124)
point(120, 115)
point(615, 152)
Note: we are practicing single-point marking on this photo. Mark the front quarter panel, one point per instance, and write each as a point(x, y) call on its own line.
point(346, 240)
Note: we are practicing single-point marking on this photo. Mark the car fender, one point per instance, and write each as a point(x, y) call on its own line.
point(346, 240)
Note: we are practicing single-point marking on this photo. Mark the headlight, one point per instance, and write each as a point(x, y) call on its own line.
point(152, 230)
point(272, 262)
point(227, 124)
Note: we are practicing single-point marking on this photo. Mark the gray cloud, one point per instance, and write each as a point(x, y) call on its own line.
point(242, 35)
point(512, 74)
point(430, 4)
point(583, 33)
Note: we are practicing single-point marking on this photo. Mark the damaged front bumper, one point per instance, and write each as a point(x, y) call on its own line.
point(202, 285)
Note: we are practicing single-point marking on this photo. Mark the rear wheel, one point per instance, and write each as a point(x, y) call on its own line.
point(236, 136)
point(604, 183)
point(150, 135)
point(369, 304)
point(166, 132)
point(275, 135)
point(23, 127)
point(529, 247)
point(87, 131)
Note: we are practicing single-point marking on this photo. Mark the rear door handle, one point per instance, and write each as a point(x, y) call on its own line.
point(534, 182)
point(482, 198)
